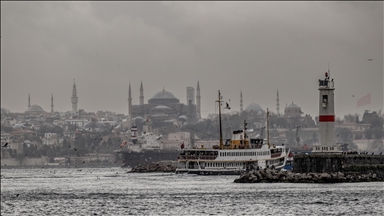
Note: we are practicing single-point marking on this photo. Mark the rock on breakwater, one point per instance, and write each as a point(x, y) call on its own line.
point(270, 176)
point(153, 167)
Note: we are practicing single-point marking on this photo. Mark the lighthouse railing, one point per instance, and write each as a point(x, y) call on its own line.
point(326, 84)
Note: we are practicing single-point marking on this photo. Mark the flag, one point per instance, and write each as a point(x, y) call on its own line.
point(123, 144)
point(364, 100)
point(182, 145)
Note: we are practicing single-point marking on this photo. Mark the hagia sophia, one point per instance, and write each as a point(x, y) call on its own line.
point(164, 106)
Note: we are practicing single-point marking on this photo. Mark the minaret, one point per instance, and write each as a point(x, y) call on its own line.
point(29, 100)
point(198, 110)
point(141, 94)
point(129, 102)
point(74, 97)
point(277, 103)
point(52, 103)
point(326, 111)
point(241, 101)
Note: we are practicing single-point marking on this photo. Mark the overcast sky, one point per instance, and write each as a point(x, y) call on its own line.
point(254, 47)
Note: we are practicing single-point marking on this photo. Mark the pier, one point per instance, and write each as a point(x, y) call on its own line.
point(322, 163)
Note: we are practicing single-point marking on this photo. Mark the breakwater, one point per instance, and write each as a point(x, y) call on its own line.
point(275, 176)
point(323, 168)
point(160, 166)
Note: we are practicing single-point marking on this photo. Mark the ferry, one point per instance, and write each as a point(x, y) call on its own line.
point(233, 157)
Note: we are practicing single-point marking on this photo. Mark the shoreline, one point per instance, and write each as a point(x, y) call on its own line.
point(58, 167)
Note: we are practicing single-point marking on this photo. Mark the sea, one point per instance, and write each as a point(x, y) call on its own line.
point(113, 191)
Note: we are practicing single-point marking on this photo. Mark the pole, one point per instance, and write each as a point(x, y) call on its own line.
point(221, 134)
point(268, 128)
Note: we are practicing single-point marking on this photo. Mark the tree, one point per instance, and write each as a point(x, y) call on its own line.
point(72, 127)
point(377, 128)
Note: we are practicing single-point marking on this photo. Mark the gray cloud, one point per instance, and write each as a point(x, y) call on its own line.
point(254, 47)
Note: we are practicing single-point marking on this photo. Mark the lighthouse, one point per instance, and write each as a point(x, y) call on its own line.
point(327, 116)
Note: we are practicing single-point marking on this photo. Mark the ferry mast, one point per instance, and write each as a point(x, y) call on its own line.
point(221, 134)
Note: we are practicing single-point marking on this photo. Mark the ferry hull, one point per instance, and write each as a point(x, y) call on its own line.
point(213, 172)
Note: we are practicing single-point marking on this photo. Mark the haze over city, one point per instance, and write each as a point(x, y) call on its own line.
point(253, 47)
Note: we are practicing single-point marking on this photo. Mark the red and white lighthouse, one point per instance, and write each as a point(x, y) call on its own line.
point(327, 111)
point(327, 116)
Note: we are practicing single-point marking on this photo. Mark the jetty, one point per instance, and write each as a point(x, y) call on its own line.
point(275, 176)
point(160, 166)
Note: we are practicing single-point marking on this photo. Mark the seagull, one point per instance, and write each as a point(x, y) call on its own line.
point(227, 107)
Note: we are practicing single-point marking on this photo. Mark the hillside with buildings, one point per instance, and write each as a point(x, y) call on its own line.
point(38, 138)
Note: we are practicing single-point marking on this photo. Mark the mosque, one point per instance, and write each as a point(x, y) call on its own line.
point(164, 107)
point(37, 110)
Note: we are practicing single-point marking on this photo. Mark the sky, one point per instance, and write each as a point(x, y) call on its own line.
point(253, 47)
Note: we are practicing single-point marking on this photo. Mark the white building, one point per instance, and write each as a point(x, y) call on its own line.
point(50, 139)
point(78, 122)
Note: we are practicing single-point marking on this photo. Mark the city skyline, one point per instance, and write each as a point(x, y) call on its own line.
point(255, 48)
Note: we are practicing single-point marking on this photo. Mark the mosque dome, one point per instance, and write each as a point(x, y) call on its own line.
point(254, 107)
point(183, 117)
point(163, 97)
point(18, 126)
point(34, 108)
point(293, 106)
point(200, 120)
point(88, 125)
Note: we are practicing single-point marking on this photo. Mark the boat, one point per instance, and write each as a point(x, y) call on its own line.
point(233, 157)
point(289, 162)
point(144, 149)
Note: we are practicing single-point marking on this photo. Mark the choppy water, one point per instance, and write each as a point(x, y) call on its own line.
point(111, 191)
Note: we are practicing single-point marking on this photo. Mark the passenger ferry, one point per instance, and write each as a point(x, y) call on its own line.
point(233, 157)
